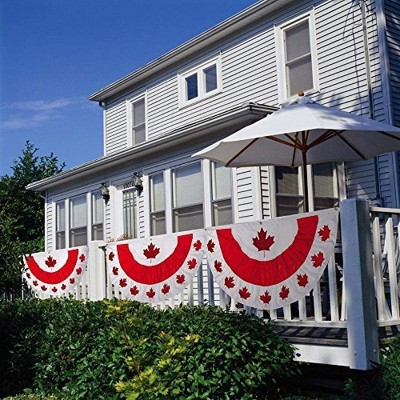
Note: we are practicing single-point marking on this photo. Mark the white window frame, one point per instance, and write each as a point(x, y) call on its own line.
point(199, 70)
point(129, 114)
point(151, 194)
point(281, 58)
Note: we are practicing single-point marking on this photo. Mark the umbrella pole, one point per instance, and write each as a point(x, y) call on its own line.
point(305, 181)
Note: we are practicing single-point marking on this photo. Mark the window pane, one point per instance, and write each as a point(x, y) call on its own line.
point(97, 232)
point(78, 237)
point(191, 87)
point(222, 213)
point(188, 218)
point(158, 223)
point(138, 112)
point(300, 75)
point(139, 134)
point(323, 203)
point(60, 216)
point(78, 217)
point(129, 213)
point(287, 205)
point(157, 192)
point(323, 180)
point(97, 209)
point(287, 180)
point(297, 41)
point(60, 240)
point(222, 182)
point(210, 75)
point(188, 185)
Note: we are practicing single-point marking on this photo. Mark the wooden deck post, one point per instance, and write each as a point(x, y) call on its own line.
point(362, 328)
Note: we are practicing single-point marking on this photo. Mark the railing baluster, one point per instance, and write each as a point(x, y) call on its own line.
point(390, 245)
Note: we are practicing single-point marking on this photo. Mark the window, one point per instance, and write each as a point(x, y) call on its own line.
point(188, 198)
point(221, 195)
point(60, 225)
point(157, 206)
point(297, 57)
point(129, 211)
point(289, 189)
point(78, 221)
point(200, 82)
point(138, 121)
point(97, 217)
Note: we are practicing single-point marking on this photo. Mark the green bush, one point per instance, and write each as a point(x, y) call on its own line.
point(117, 349)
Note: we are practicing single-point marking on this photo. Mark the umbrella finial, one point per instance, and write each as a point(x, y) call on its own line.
point(300, 93)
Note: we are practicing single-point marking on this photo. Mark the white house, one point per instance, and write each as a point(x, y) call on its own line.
point(341, 53)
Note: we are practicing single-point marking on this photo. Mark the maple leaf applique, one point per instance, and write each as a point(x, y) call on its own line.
point(35, 283)
point(151, 293)
point(79, 270)
point(71, 281)
point(50, 262)
point(302, 280)
point(244, 293)
point(210, 246)
point(134, 290)
point(44, 288)
point(218, 266)
point(151, 251)
point(192, 263)
point(82, 258)
point(54, 289)
point(266, 297)
point(197, 245)
point(111, 256)
point(165, 289)
point(229, 282)
point(115, 271)
point(284, 293)
point(28, 275)
point(122, 282)
point(180, 279)
point(262, 241)
point(317, 259)
point(324, 233)
point(63, 286)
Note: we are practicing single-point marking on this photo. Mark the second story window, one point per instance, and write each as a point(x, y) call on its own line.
point(157, 206)
point(137, 122)
point(221, 194)
point(200, 82)
point(78, 221)
point(188, 198)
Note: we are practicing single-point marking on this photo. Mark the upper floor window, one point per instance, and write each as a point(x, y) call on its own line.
point(188, 198)
point(297, 57)
point(137, 121)
point(221, 194)
point(78, 221)
point(200, 82)
point(157, 205)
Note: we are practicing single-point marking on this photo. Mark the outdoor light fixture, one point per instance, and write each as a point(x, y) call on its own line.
point(137, 182)
point(105, 192)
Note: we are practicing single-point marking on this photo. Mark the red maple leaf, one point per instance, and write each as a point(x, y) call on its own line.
point(111, 256)
point(71, 281)
point(266, 297)
point(28, 275)
point(210, 246)
point(151, 251)
point(229, 282)
point(134, 291)
point(284, 293)
point(165, 289)
point(35, 283)
point(244, 293)
point(198, 245)
point(54, 289)
point(324, 233)
point(63, 286)
point(262, 241)
point(115, 270)
point(44, 288)
point(82, 258)
point(79, 270)
point(151, 293)
point(192, 263)
point(218, 266)
point(50, 262)
point(317, 259)
point(122, 282)
point(180, 279)
point(302, 280)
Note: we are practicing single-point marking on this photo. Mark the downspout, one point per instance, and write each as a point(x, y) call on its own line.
point(378, 198)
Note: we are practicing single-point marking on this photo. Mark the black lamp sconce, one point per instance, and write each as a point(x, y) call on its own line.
point(105, 193)
point(138, 183)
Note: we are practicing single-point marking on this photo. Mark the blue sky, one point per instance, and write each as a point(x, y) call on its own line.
point(56, 53)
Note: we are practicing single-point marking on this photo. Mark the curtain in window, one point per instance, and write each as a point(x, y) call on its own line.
point(270, 264)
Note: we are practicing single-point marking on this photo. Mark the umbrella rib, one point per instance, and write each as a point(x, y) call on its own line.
point(390, 135)
point(352, 147)
point(281, 141)
point(240, 152)
point(326, 136)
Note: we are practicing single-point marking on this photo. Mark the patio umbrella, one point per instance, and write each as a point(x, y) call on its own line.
point(304, 133)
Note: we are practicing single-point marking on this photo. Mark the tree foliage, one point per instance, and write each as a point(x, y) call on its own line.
point(22, 213)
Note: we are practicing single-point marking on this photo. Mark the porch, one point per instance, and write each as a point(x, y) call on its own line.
point(353, 308)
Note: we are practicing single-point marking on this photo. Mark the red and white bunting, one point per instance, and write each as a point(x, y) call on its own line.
point(155, 269)
point(57, 272)
point(272, 263)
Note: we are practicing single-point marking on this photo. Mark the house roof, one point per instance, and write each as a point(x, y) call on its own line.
point(219, 32)
point(226, 121)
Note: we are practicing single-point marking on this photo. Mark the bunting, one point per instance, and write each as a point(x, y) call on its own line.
point(55, 273)
point(272, 263)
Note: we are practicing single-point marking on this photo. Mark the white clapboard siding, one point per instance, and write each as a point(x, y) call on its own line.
point(50, 240)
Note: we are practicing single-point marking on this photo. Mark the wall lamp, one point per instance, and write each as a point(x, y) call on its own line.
point(105, 193)
point(138, 183)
